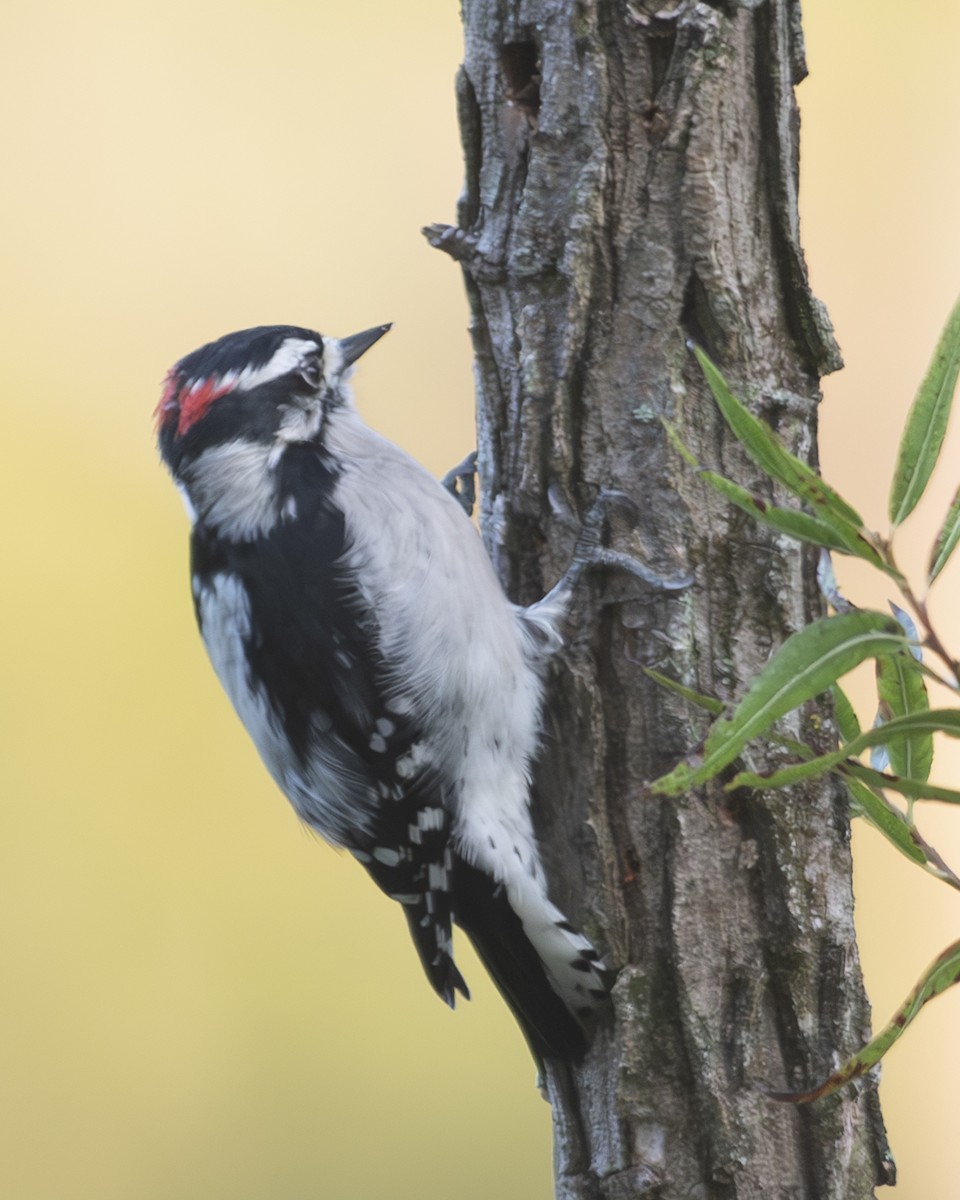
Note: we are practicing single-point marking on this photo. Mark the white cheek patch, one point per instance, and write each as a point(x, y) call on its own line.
point(232, 489)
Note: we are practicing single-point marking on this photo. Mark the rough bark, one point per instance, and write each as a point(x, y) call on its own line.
point(631, 183)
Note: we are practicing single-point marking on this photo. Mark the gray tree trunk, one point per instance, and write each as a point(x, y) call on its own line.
point(631, 183)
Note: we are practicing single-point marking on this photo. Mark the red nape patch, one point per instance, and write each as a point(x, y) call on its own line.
point(195, 401)
point(190, 403)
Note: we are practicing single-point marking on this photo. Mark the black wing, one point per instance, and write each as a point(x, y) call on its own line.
point(359, 770)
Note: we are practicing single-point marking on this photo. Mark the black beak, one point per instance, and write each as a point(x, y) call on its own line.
point(359, 343)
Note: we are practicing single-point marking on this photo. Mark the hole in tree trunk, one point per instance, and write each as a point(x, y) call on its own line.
point(521, 66)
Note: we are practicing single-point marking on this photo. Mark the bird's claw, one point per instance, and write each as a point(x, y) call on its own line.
point(589, 553)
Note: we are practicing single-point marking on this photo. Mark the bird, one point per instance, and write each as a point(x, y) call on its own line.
point(394, 693)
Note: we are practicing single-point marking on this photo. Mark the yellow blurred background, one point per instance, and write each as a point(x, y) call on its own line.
point(198, 999)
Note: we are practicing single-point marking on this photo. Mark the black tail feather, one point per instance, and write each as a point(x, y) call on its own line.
point(439, 966)
point(482, 910)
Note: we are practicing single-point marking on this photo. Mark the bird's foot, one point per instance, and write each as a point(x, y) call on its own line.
point(589, 553)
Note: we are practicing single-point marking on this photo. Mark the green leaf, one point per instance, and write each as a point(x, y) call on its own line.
point(946, 541)
point(807, 663)
point(926, 422)
point(843, 710)
point(786, 777)
point(902, 692)
point(892, 733)
point(888, 820)
point(877, 811)
point(871, 805)
point(913, 789)
point(791, 521)
point(866, 802)
point(698, 698)
point(942, 974)
point(765, 448)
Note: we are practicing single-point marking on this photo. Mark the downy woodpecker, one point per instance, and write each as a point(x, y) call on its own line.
point(394, 693)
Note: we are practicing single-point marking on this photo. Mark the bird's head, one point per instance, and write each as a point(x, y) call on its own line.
point(256, 385)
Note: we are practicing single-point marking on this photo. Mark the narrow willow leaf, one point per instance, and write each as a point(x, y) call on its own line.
point(796, 524)
point(698, 698)
point(913, 789)
point(791, 521)
point(786, 777)
point(877, 811)
point(902, 691)
point(807, 663)
point(926, 422)
point(679, 445)
point(846, 716)
point(892, 733)
point(898, 829)
point(946, 541)
point(767, 451)
point(942, 974)
point(891, 822)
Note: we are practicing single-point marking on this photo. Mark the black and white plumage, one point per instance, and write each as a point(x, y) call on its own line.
point(354, 620)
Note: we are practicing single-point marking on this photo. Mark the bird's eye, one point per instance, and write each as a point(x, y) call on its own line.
point(309, 372)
